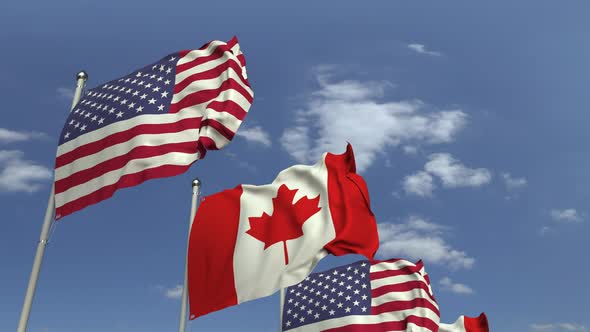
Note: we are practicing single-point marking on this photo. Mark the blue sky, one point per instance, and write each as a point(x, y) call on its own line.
point(469, 123)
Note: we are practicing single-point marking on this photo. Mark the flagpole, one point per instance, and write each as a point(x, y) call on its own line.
point(184, 304)
point(81, 78)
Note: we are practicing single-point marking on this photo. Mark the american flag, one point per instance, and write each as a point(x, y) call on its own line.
point(392, 295)
point(152, 123)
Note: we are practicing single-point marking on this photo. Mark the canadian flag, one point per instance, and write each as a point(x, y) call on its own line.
point(251, 241)
point(467, 324)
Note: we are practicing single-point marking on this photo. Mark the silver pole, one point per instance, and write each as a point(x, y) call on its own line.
point(183, 306)
point(26, 311)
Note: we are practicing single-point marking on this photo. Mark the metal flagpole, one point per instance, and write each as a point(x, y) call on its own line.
point(24, 316)
point(183, 306)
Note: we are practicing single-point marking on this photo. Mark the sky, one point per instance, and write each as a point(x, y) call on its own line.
point(469, 123)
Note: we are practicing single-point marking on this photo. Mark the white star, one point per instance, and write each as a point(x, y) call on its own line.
point(356, 281)
point(364, 297)
point(309, 312)
point(364, 285)
point(172, 58)
point(101, 121)
point(152, 76)
point(164, 94)
point(290, 301)
point(136, 93)
point(332, 300)
point(127, 80)
point(288, 323)
point(140, 83)
point(72, 122)
point(66, 135)
point(339, 305)
point(167, 82)
point(356, 291)
point(169, 70)
point(364, 309)
point(131, 105)
point(94, 118)
point(316, 316)
point(77, 125)
point(112, 110)
point(159, 78)
point(138, 74)
point(356, 303)
point(348, 287)
point(152, 101)
point(335, 273)
point(364, 264)
point(149, 85)
point(134, 81)
point(340, 293)
point(347, 309)
point(302, 319)
point(116, 98)
point(83, 128)
point(356, 271)
point(162, 67)
point(324, 307)
point(348, 268)
point(143, 96)
point(120, 114)
point(139, 109)
point(161, 108)
point(302, 307)
point(156, 89)
point(332, 312)
point(348, 298)
point(124, 101)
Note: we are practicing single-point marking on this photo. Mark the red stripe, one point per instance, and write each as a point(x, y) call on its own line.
point(203, 96)
point(228, 106)
point(207, 144)
point(128, 180)
point(404, 305)
point(216, 72)
point(407, 270)
point(354, 223)
point(388, 326)
point(216, 54)
point(211, 283)
point(401, 287)
point(119, 162)
point(124, 136)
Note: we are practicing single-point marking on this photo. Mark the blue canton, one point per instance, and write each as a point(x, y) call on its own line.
point(148, 90)
point(335, 293)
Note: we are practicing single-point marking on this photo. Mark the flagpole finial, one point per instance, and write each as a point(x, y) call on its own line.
point(196, 183)
point(82, 75)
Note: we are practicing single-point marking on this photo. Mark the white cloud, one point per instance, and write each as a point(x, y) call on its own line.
point(421, 48)
point(513, 183)
point(558, 327)
point(410, 149)
point(457, 288)
point(8, 136)
point(454, 174)
point(565, 215)
point(255, 135)
point(420, 184)
point(352, 111)
point(174, 292)
point(418, 238)
point(65, 93)
point(19, 175)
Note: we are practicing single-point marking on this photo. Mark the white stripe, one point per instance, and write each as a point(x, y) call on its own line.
point(212, 133)
point(402, 296)
point(395, 316)
point(113, 151)
point(203, 67)
point(192, 55)
point(236, 49)
point(388, 266)
point(210, 84)
point(124, 125)
point(397, 280)
point(226, 95)
point(134, 166)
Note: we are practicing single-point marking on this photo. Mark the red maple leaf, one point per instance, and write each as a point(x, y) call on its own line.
point(286, 221)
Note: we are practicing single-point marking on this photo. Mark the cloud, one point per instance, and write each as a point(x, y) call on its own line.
point(173, 293)
point(9, 136)
point(65, 93)
point(513, 183)
point(566, 215)
point(451, 172)
point(454, 174)
point(410, 149)
point(255, 135)
point(418, 238)
point(457, 288)
point(420, 184)
point(558, 327)
point(19, 175)
point(353, 111)
point(421, 48)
